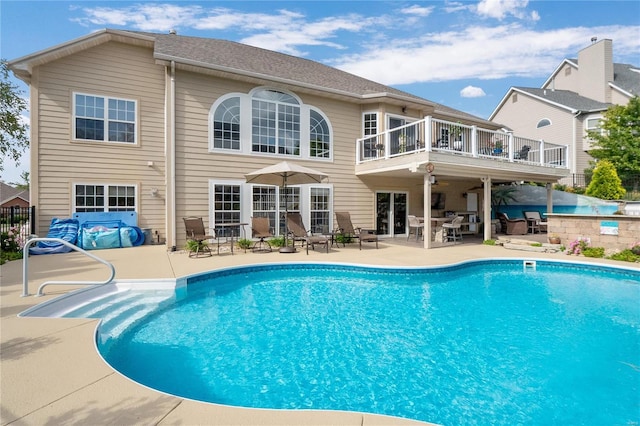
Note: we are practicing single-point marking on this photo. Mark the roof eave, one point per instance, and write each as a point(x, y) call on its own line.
point(167, 59)
point(22, 67)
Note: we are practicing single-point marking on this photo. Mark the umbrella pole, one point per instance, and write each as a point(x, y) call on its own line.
point(286, 248)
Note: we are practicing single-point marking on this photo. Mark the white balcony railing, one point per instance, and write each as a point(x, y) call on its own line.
point(433, 135)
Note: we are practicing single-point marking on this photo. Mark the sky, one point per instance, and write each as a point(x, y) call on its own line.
point(463, 54)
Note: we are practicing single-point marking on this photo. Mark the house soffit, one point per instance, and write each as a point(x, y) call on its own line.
point(475, 168)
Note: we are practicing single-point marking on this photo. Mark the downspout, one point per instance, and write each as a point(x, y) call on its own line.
point(171, 152)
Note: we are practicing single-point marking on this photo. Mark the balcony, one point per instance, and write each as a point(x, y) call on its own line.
point(460, 146)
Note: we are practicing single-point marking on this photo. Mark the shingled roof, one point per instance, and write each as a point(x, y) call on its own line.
point(566, 98)
point(243, 59)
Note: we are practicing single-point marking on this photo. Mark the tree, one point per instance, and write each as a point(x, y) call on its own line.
point(25, 181)
point(618, 139)
point(14, 139)
point(605, 183)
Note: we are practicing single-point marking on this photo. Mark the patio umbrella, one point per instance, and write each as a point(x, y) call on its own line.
point(283, 174)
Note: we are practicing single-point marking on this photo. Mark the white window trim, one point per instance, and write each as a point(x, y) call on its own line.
point(106, 185)
point(106, 120)
point(377, 114)
point(538, 126)
point(246, 200)
point(246, 128)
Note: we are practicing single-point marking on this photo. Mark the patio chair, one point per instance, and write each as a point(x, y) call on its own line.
point(194, 228)
point(345, 227)
point(260, 228)
point(535, 222)
point(453, 229)
point(523, 154)
point(512, 226)
point(299, 233)
point(414, 227)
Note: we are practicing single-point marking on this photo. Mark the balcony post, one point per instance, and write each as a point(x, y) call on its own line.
point(428, 134)
point(474, 140)
point(510, 146)
point(542, 152)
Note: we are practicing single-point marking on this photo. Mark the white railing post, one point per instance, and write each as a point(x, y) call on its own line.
point(542, 152)
point(428, 134)
point(474, 140)
point(358, 151)
point(510, 143)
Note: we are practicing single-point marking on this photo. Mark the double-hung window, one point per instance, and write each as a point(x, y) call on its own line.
point(104, 198)
point(226, 208)
point(370, 128)
point(264, 204)
point(320, 210)
point(106, 119)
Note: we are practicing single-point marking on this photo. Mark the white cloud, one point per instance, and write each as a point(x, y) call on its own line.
point(374, 44)
point(416, 10)
point(480, 52)
point(472, 92)
point(501, 9)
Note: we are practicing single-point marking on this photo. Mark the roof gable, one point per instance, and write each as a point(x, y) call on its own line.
point(8, 193)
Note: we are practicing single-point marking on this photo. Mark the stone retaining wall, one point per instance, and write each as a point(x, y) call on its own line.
point(570, 227)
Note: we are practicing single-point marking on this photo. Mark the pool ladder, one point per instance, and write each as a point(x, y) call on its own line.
point(529, 265)
point(25, 267)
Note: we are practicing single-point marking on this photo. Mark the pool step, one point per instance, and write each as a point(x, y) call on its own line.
point(122, 309)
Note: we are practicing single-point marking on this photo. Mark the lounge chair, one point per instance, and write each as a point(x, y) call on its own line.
point(535, 222)
point(512, 226)
point(260, 228)
point(453, 229)
point(414, 227)
point(299, 233)
point(345, 227)
point(194, 228)
point(523, 154)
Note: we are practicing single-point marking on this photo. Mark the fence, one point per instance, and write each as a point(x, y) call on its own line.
point(20, 218)
point(580, 180)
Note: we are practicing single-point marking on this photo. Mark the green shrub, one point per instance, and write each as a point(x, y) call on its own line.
point(193, 245)
point(489, 242)
point(277, 241)
point(344, 238)
point(536, 244)
point(245, 243)
point(593, 252)
point(626, 256)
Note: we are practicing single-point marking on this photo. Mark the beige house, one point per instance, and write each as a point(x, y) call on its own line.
point(168, 126)
point(571, 102)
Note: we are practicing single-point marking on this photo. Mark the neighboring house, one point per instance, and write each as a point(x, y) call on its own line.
point(571, 102)
point(13, 197)
point(168, 125)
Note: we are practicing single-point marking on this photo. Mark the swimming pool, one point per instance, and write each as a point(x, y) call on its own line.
point(548, 343)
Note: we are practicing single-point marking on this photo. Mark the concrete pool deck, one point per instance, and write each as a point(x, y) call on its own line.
point(50, 372)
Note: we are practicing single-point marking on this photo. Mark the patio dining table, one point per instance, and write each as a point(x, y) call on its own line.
point(438, 230)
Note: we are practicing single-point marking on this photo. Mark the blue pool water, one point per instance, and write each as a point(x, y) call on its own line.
point(474, 343)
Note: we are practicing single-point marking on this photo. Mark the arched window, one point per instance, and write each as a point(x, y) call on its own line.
point(319, 135)
point(544, 123)
point(275, 123)
point(226, 124)
point(270, 122)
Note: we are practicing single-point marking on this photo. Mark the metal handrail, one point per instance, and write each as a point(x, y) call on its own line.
point(25, 267)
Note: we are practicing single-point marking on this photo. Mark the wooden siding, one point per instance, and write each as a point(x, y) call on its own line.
point(111, 69)
point(563, 81)
point(195, 165)
point(523, 116)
